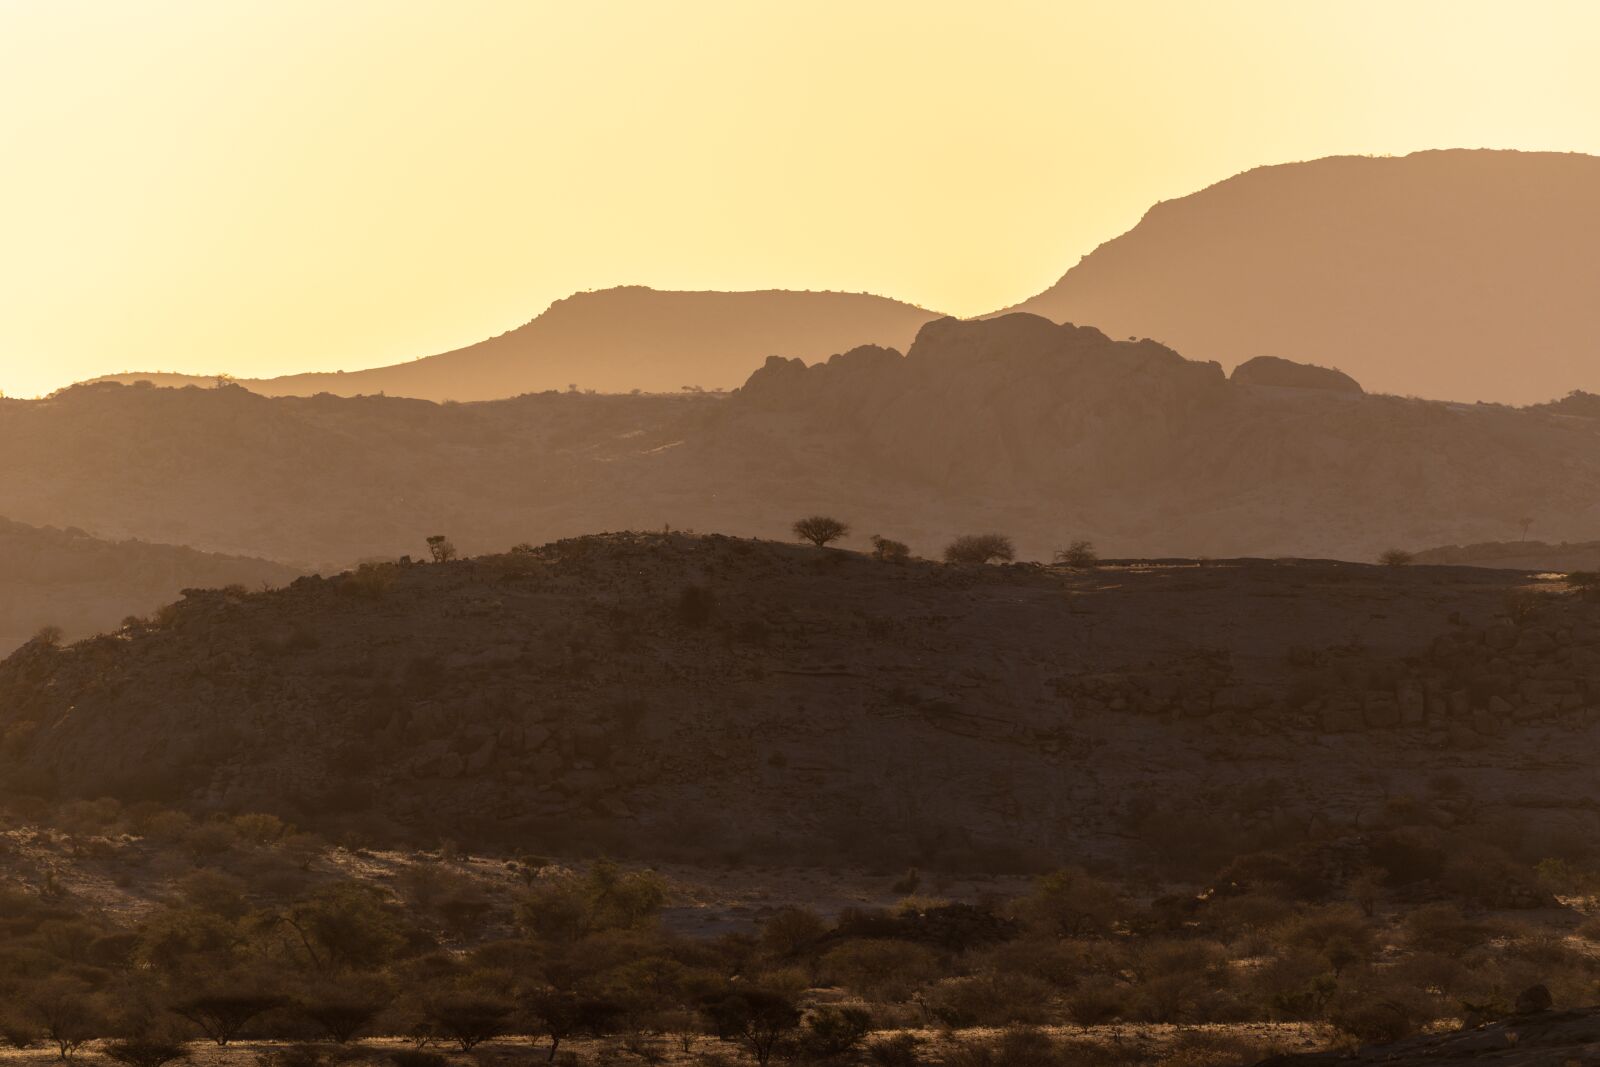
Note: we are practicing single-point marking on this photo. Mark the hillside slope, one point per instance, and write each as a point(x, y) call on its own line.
point(1461, 274)
point(622, 688)
point(84, 585)
point(620, 340)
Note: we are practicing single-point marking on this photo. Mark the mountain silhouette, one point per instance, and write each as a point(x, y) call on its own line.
point(1459, 274)
point(1041, 431)
point(619, 340)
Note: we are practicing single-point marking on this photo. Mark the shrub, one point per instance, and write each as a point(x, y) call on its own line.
point(980, 548)
point(1095, 1003)
point(1079, 554)
point(1070, 903)
point(832, 1032)
point(1396, 557)
point(990, 1000)
point(890, 551)
point(820, 529)
point(880, 968)
point(757, 1020)
point(368, 581)
point(341, 1015)
point(608, 898)
point(469, 1019)
point(145, 1052)
point(17, 1033)
point(1375, 1012)
point(65, 1014)
point(898, 1050)
point(790, 930)
point(1020, 1047)
point(560, 1014)
point(441, 548)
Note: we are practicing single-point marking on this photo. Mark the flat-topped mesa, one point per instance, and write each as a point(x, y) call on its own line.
point(1286, 373)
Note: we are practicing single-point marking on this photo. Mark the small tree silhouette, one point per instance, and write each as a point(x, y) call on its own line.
point(979, 548)
point(1080, 554)
point(442, 549)
point(890, 551)
point(1396, 557)
point(820, 530)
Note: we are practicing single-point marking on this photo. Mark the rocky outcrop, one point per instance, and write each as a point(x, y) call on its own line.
point(1271, 370)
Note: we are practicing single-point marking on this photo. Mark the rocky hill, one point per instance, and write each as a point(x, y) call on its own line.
point(620, 340)
point(709, 695)
point(1048, 433)
point(83, 585)
point(1461, 274)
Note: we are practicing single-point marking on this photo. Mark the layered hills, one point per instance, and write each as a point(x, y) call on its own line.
point(1046, 432)
point(670, 692)
point(82, 585)
point(621, 340)
point(1462, 274)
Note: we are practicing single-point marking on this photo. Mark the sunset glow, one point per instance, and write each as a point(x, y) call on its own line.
point(265, 188)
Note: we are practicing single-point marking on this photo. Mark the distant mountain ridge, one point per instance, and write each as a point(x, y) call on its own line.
point(1461, 273)
point(1046, 432)
point(617, 341)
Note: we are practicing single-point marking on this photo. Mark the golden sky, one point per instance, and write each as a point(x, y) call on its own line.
point(286, 185)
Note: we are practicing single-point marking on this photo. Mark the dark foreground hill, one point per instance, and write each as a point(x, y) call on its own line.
point(708, 697)
point(628, 338)
point(83, 585)
point(1462, 274)
point(1048, 433)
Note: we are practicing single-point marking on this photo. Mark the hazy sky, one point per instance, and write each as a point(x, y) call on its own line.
point(282, 186)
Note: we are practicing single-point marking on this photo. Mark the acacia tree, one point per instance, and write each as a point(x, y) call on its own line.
point(441, 548)
point(820, 529)
point(757, 1019)
point(561, 1013)
point(980, 548)
point(468, 1018)
point(221, 1016)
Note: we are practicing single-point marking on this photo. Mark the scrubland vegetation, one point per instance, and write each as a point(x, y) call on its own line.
point(141, 934)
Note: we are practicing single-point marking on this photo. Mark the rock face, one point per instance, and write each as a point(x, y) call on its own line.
point(628, 338)
point(1270, 370)
point(622, 686)
point(1459, 273)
